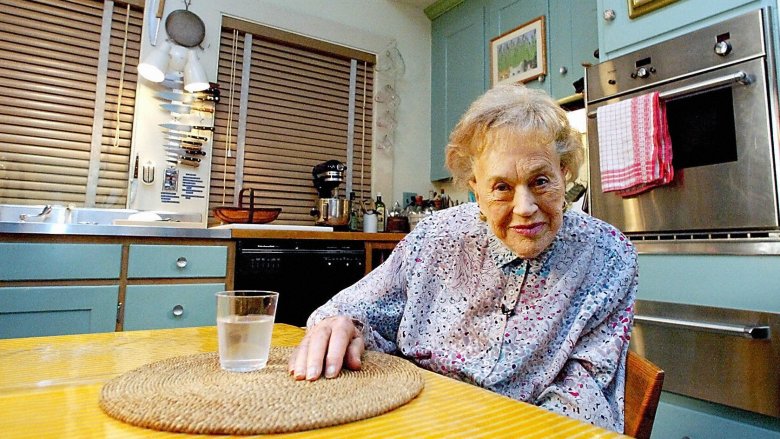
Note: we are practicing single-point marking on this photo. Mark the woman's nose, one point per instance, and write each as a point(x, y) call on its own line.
point(524, 202)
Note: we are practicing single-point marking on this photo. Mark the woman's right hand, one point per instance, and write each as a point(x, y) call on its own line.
point(334, 341)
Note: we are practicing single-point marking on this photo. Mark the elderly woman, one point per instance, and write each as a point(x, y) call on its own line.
point(510, 293)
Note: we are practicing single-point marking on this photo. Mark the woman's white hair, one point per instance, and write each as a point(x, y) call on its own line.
point(511, 110)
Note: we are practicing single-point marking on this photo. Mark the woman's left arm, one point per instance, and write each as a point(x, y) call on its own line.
point(591, 384)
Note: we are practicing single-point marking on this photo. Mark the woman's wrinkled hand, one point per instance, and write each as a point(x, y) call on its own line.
point(335, 342)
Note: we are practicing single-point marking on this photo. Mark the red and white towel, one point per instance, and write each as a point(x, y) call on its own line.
point(635, 150)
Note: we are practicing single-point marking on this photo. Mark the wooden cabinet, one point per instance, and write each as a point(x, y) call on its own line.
point(99, 284)
point(58, 288)
point(623, 34)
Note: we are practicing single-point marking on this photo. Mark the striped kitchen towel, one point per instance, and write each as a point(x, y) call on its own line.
point(635, 150)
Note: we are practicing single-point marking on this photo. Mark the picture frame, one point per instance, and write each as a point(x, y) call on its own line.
point(520, 54)
point(637, 8)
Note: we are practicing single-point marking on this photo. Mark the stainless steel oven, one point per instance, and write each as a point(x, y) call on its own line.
point(719, 88)
point(720, 91)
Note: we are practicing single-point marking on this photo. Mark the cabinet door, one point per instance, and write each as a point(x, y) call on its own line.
point(176, 261)
point(170, 306)
point(623, 34)
point(41, 311)
point(681, 417)
point(34, 261)
point(573, 39)
point(457, 73)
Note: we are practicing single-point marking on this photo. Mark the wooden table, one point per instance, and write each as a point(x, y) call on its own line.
point(49, 387)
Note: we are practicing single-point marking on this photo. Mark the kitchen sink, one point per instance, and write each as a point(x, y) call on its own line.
point(57, 214)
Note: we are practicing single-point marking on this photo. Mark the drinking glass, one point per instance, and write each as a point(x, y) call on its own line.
point(245, 320)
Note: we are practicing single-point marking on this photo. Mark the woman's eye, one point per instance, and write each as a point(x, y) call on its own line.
point(541, 181)
point(502, 187)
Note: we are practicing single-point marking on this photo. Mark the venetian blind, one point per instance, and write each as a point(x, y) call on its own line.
point(61, 64)
point(296, 104)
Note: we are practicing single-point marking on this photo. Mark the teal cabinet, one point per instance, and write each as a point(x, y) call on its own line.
point(45, 261)
point(43, 291)
point(171, 306)
point(173, 286)
point(572, 41)
point(623, 34)
point(460, 55)
point(680, 417)
point(176, 261)
point(41, 311)
point(458, 60)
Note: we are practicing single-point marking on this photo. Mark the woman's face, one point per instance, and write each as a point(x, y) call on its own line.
point(519, 186)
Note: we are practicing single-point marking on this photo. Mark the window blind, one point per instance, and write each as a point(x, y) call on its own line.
point(66, 114)
point(296, 104)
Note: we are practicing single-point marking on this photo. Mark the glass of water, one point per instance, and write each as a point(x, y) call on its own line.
point(245, 320)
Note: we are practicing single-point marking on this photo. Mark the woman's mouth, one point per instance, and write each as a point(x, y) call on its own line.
point(528, 230)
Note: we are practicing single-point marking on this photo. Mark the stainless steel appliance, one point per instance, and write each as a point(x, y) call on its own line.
point(306, 273)
point(330, 209)
point(720, 91)
point(719, 87)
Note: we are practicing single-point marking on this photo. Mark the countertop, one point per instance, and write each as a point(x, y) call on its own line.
point(50, 387)
point(155, 231)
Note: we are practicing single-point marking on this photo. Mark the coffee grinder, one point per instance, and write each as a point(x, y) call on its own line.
point(330, 209)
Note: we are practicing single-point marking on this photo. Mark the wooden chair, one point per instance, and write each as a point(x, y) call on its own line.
point(643, 390)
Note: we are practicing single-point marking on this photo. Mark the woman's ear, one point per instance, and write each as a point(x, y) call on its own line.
point(473, 186)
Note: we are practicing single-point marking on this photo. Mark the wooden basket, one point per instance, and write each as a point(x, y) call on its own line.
point(260, 215)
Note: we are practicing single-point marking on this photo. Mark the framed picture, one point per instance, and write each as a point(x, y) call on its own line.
point(641, 7)
point(519, 55)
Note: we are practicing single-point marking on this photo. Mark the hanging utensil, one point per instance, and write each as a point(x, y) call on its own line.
point(189, 98)
point(134, 181)
point(184, 143)
point(185, 28)
point(185, 128)
point(158, 19)
point(173, 135)
point(185, 109)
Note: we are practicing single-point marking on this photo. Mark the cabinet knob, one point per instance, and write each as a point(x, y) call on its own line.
point(181, 262)
point(609, 14)
point(563, 70)
point(178, 311)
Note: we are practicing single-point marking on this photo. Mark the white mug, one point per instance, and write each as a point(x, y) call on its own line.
point(369, 222)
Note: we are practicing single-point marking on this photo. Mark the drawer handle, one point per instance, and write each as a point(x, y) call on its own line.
point(178, 311)
point(755, 332)
point(181, 262)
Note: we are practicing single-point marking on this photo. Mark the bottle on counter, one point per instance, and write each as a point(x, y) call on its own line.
point(381, 213)
point(354, 213)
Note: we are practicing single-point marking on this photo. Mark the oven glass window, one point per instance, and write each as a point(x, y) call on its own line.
point(702, 129)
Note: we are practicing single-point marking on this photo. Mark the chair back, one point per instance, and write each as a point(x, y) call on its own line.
point(643, 390)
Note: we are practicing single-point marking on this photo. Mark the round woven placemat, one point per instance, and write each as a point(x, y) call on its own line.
point(192, 394)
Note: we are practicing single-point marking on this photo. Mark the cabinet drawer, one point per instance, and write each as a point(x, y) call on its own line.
point(158, 261)
point(40, 311)
point(170, 306)
point(34, 261)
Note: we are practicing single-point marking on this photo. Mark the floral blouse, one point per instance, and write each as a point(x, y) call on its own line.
point(552, 331)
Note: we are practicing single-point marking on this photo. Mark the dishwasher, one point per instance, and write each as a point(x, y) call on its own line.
point(305, 273)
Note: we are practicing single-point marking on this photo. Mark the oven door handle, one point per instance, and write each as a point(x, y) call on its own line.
point(747, 331)
point(710, 84)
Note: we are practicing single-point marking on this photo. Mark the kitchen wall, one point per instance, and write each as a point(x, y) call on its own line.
point(369, 25)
